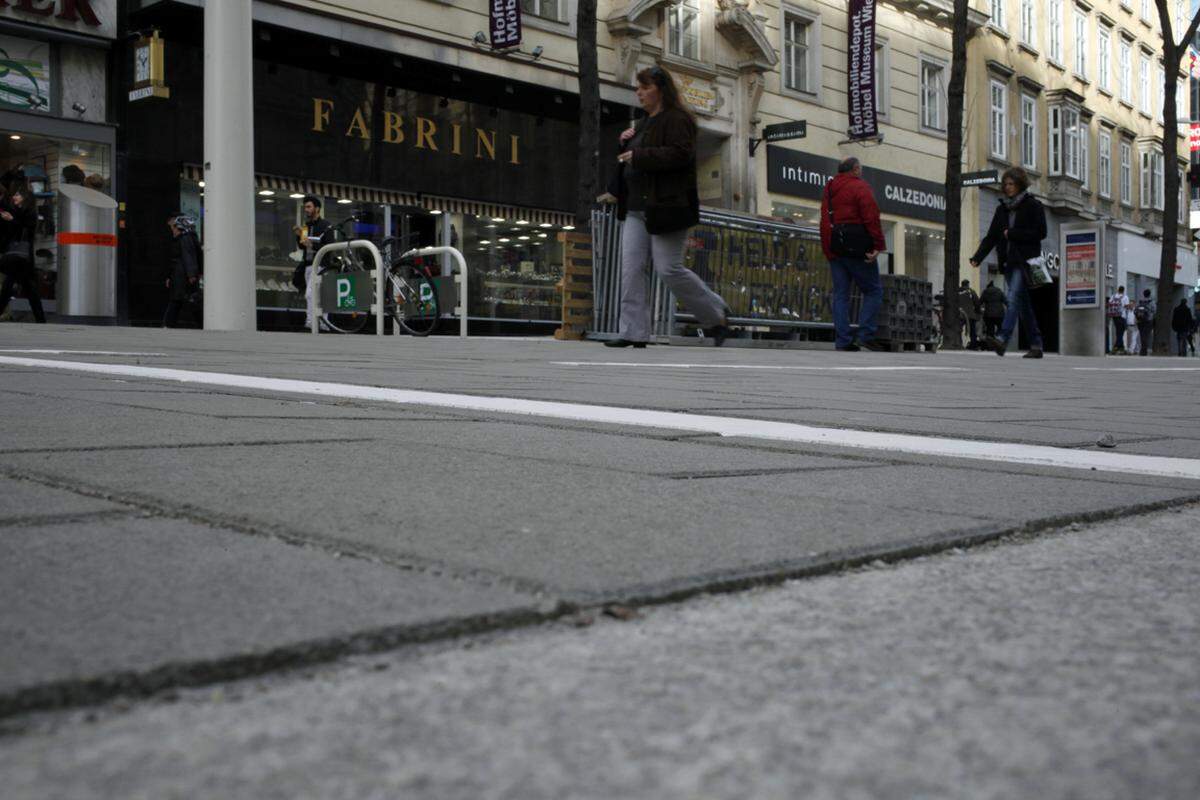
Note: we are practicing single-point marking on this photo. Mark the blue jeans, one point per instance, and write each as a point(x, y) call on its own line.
point(866, 275)
point(1019, 304)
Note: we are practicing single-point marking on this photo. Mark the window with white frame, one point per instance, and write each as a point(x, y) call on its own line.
point(1080, 43)
point(1124, 72)
point(1104, 164)
point(999, 138)
point(1104, 55)
point(1126, 173)
point(1152, 180)
point(1146, 4)
point(1162, 85)
point(1028, 23)
point(933, 95)
point(1064, 141)
point(1056, 32)
point(546, 9)
point(683, 29)
point(1029, 130)
point(882, 77)
point(1144, 84)
point(998, 13)
point(1085, 154)
point(798, 53)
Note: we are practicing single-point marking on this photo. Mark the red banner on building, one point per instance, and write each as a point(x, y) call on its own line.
point(860, 70)
point(505, 24)
point(1194, 136)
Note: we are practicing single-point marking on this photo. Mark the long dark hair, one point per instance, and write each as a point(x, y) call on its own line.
point(657, 76)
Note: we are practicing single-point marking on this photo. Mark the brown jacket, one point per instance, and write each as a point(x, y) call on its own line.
point(667, 157)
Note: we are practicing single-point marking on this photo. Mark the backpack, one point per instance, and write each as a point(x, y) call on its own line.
point(1141, 312)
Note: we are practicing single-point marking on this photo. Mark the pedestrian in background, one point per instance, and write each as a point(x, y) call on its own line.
point(968, 309)
point(852, 238)
point(308, 239)
point(1017, 230)
point(1116, 312)
point(183, 285)
point(18, 226)
point(994, 304)
point(1183, 323)
point(1144, 313)
point(658, 202)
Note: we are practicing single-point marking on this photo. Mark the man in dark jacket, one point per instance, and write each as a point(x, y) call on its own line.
point(1144, 314)
point(994, 304)
point(184, 282)
point(852, 237)
point(968, 309)
point(1182, 322)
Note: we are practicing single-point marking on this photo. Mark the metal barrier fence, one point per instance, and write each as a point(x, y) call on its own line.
point(773, 275)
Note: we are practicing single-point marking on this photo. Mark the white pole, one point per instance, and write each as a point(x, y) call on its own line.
point(229, 302)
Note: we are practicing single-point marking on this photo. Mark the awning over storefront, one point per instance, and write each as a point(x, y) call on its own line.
point(360, 194)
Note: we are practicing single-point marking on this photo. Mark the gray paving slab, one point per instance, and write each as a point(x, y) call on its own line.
point(84, 600)
point(23, 501)
point(1062, 667)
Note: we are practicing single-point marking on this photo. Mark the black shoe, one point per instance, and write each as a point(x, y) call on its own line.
point(624, 343)
point(1034, 352)
point(719, 334)
point(850, 348)
point(874, 345)
point(995, 345)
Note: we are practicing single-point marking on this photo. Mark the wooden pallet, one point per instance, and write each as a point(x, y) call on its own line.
point(576, 285)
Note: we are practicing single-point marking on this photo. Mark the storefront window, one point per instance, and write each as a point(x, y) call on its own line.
point(514, 267)
point(924, 255)
point(43, 165)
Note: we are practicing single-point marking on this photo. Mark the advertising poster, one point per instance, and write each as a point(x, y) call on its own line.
point(860, 72)
point(1081, 273)
point(24, 74)
point(505, 19)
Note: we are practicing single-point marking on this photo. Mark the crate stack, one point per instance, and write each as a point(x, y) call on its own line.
point(906, 317)
point(576, 285)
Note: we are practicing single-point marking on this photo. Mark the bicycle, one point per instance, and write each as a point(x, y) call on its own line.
point(410, 297)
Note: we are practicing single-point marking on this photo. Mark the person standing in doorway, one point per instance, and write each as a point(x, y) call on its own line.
point(993, 303)
point(1144, 313)
point(1017, 230)
point(308, 237)
point(658, 202)
point(852, 238)
point(183, 284)
point(18, 224)
point(1182, 323)
point(1116, 312)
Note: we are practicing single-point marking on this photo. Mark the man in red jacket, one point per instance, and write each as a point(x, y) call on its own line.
point(851, 237)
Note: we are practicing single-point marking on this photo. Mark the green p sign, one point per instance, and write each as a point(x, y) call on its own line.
point(348, 291)
point(345, 294)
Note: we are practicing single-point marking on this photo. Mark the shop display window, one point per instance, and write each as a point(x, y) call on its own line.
point(924, 256)
point(44, 165)
point(515, 266)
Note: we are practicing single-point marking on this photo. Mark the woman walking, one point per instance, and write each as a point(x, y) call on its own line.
point(657, 202)
point(18, 223)
point(1017, 230)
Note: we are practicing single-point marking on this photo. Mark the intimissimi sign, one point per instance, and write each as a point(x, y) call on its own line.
point(93, 17)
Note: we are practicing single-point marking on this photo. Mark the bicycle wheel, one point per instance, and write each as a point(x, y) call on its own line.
point(412, 299)
point(346, 322)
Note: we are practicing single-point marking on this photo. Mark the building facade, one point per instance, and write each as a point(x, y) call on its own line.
point(1072, 91)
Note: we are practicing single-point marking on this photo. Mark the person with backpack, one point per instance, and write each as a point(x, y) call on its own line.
point(1144, 313)
point(1016, 232)
point(1115, 310)
point(994, 304)
point(187, 265)
point(852, 238)
point(1182, 322)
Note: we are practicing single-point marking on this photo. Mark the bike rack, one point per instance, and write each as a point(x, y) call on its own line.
point(314, 301)
point(460, 279)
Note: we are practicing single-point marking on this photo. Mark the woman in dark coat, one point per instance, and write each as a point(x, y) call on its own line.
point(18, 223)
point(658, 202)
point(1017, 230)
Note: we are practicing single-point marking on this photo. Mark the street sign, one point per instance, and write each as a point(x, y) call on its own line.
point(348, 291)
point(982, 178)
point(786, 130)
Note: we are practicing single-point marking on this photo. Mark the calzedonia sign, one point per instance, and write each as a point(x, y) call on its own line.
point(799, 174)
point(92, 17)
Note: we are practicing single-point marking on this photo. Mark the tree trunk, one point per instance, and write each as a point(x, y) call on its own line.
point(1173, 53)
point(589, 114)
point(951, 319)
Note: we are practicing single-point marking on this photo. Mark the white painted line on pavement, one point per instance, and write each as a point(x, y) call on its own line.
point(80, 352)
point(1136, 369)
point(1033, 455)
point(756, 366)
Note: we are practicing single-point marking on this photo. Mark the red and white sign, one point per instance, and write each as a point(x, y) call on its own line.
point(1194, 136)
point(93, 17)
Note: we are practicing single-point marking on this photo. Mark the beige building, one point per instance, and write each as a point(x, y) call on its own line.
point(1072, 91)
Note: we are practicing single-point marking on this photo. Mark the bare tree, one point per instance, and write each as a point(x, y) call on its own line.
point(960, 32)
point(1173, 53)
point(589, 114)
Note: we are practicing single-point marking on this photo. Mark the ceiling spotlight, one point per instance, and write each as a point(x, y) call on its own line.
point(266, 193)
point(480, 37)
point(443, 103)
point(537, 52)
point(345, 201)
point(334, 50)
point(391, 91)
point(296, 196)
point(497, 219)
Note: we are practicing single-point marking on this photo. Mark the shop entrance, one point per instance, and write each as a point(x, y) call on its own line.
point(1045, 309)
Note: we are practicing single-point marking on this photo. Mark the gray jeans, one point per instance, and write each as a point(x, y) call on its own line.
point(665, 250)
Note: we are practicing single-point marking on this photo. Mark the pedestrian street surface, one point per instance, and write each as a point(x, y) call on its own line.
point(181, 508)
